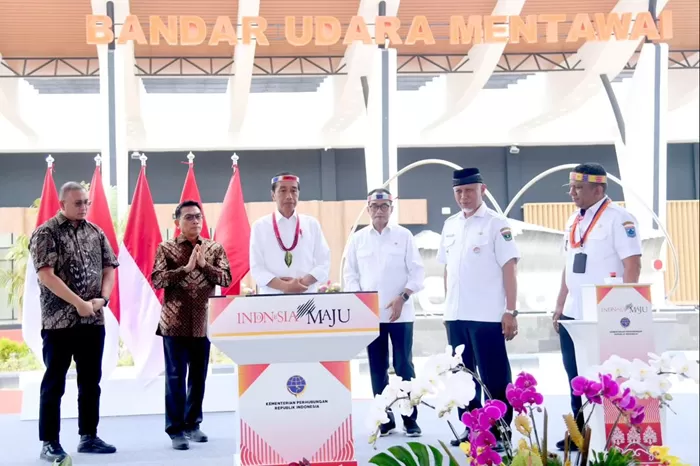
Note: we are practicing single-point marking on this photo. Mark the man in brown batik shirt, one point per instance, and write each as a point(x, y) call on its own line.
point(75, 267)
point(188, 268)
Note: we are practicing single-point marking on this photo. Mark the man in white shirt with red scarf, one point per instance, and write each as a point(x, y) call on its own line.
point(288, 252)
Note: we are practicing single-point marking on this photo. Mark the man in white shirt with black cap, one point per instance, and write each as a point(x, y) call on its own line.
point(601, 238)
point(384, 258)
point(480, 257)
point(288, 252)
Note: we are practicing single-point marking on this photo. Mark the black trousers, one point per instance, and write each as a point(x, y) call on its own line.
point(184, 393)
point(401, 335)
point(85, 345)
point(568, 356)
point(485, 354)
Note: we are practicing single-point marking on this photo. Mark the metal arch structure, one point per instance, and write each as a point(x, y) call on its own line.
point(512, 204)
point(619, 182)
point(405, 169)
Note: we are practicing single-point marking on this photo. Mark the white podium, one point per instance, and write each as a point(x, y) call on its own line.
point(625, 326)
point(294, 387)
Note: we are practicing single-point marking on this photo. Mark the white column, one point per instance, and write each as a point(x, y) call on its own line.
point(381, 160)
point(642, 158)
point(121, 177)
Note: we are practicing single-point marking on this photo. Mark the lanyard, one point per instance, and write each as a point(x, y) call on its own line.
point(572, 235)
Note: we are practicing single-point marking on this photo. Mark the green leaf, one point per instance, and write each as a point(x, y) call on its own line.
point(403, 455)
point(382, 459)
point(453, 460)
point(437, 455)
point(421, 452)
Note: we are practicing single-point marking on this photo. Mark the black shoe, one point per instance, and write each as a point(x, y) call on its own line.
point(463, 438)
point(94, 444)
point(410, 428)
point(386, 429)
point(52, 451)
point(572, 446)
point(180, 442)
point(197, 435)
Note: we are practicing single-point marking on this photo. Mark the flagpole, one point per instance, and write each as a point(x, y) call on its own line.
point(142, 158)
point(49, 161)
point(234, 162)
point(190, 159)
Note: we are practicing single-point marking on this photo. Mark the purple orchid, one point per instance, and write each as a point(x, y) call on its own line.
point(626, 402)
point(637, 416)
point(522, 394)
point(610, 386)
point(525, 380)
point(591, 390)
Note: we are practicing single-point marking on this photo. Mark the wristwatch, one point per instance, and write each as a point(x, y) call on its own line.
point(514, 313)
point(404, 296)
point(106, 300)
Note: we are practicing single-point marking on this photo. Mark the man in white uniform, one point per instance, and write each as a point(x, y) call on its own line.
point(384, 258)
point(480, 255)
point(601, 238)
point(288, 252)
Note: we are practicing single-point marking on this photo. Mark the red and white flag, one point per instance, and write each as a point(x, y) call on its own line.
point(100, 215)
point(31, 307)
point(190, 192)
point(139, 303)
point(233, 231)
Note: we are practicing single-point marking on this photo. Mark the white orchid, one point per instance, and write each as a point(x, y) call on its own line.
point(377, 414)
point(422, 386)
point(397, 388)
point(653, 386)
point(404, 407)
point(661, 363)
point(651, 380)
point(460, 389)
point(616, 366)
point(639, 370)
point(682, 366)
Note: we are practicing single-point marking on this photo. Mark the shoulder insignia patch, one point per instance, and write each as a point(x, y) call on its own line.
point(506, 233)
point(630, 229)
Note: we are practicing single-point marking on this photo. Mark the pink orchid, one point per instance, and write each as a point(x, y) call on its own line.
point(523, 393)
point(610, 386)
point(495, 409)
point(525, 380)
point(477, 420)
point(637, 416)
point(592, 390)
point(626, 402)
point(484, 439)
point(488, 457)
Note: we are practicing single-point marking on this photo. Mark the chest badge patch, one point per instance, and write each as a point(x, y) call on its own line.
point(477, 250)
point(630, 229)
point(506, 233)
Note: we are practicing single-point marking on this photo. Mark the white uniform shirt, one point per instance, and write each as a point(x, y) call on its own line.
point(386, 262)
point(613, 238)
point(475, 249)
point(310, 256)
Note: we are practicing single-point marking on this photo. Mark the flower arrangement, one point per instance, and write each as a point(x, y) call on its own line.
point(453, 385)
point(329, 287)
point(302, 462)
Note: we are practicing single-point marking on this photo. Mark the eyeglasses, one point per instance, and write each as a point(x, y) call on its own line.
point(382, 207)
point(85, 203)
point(191, 217)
